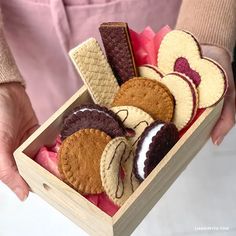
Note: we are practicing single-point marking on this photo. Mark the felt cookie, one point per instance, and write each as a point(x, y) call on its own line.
point(94, 117)
point(134, 119)
point(118, 47)
point(186, 98)
point(79, 160)
point(149, 95)
point(179, 51)
point(118, 154)
point(150, 72)
point(155, 142)
point(95, 72)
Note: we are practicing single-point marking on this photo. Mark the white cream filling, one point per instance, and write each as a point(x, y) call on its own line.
point(91, 109)
point(145, 147)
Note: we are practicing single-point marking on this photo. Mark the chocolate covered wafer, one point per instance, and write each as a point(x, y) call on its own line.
point(116, 40)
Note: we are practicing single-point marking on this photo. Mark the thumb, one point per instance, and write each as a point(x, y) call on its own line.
point(10, 176)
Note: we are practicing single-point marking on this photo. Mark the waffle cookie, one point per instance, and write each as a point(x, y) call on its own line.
point(118, 154)
point(179, 51)
point(79, 160)
point(149, 95)
point(135, 119)
point(117, 44)
point(95, 72)
point(93, 117)
point(186, 98)
point(154, 144)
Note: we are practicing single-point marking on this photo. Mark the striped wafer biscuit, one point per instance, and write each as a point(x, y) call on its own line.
point(117, 44)
point(95, 71)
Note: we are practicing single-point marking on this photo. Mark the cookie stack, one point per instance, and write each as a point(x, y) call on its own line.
point(114, 144)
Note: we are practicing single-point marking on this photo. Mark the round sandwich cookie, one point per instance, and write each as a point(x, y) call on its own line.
point(79, 160)
point(116, 156)
point(150, 72)
point(180, 52)
point(135, 119)
point(93, 117)
point(155, 142)
point(186, 98)
point(149, 95)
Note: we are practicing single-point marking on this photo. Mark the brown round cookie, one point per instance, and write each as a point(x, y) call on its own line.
point(79, 160)
point(92, 116)
point(155, 142)
point(149, 95)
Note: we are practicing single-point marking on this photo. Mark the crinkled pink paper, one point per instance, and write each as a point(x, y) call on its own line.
point(146, 45)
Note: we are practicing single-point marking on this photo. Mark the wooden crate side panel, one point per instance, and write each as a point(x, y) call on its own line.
point(158, 182)
point(63, 198)
point(47, 133)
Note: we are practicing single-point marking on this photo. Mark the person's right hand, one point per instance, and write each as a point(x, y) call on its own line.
point(17, 122)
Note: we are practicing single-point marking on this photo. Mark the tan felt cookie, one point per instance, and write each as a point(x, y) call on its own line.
point(118, 154)
point(150, 72)
point(95, 71)
point(179, 51)
point(186, 98)
point(79, 160)
point(149, 95)
point(135, 119)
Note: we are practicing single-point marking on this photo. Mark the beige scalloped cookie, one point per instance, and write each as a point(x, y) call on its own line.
point(118, 153)
point(150, 72)
point(186, 98)
point(135, 119)
point(180, 52)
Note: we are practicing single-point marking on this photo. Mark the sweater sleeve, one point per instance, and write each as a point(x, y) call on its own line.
point(8, 69)
point(211, 21)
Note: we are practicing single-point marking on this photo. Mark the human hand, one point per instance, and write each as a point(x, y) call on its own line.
point(17, 122)
point(227, 118)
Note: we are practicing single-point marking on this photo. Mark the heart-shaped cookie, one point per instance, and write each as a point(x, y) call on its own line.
point(179, 51)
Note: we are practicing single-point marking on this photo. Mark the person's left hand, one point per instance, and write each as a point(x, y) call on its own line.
point(227, 118)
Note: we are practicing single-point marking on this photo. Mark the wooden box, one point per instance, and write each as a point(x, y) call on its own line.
point(86, 215)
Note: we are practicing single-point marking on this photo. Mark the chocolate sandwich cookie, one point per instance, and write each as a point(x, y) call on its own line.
point(117, 44)
point(94, 117)
point(155, 142)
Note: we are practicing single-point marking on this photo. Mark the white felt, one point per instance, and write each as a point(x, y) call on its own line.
point(145, 147)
